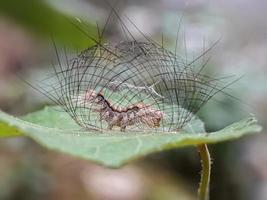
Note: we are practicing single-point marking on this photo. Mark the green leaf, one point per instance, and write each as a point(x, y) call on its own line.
point(56, 130)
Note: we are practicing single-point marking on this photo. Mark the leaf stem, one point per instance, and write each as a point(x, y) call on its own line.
point(203, 190)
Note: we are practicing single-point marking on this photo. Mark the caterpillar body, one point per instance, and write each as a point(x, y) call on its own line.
point(123, 117)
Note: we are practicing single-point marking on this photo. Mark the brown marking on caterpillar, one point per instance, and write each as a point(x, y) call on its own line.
point(131, 115)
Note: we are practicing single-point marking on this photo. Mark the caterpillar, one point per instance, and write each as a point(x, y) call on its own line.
point(131, 115)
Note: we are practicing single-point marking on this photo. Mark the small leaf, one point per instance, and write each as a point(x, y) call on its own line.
point(56, 130)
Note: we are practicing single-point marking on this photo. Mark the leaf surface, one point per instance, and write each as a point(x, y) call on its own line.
point(57, 131)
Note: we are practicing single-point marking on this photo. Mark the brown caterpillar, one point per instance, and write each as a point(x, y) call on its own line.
point(129, 116)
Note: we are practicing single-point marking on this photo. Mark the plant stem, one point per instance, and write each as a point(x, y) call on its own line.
point(203, 190)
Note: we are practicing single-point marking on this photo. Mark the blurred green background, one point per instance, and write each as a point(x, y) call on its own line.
point(27, 28)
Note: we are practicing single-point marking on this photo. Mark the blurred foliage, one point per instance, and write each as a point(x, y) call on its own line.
point(8, 131)
point(42, 19)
